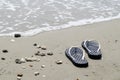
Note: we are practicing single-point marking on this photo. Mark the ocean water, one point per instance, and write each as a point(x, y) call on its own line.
point(30, 17)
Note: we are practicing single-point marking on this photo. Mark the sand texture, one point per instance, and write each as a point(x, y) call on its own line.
point(108, 68)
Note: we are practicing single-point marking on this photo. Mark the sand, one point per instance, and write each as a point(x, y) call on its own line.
point(108, 68)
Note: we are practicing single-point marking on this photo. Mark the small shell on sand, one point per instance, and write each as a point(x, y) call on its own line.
point(42, 54)
point(31, 59)
point(38, 46)
point(43, 47)
point(50, 53)
point(12, 40)
point(43, 75)
point(36, 73)
point(31, 65)
point(37, 53)
point(23, 67)
point(22, 60)
point(59, 62)
point(19, 78)
point(19, 61)
point(43, 66)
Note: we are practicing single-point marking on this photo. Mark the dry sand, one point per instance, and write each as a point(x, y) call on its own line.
point(107, 33)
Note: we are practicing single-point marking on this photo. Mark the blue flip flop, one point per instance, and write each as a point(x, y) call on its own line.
point(75, 54)
point(92, 48)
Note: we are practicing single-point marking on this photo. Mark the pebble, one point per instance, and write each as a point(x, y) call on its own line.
point(43, 66)
point(50, 53)
point(116, 41)
point(43, 47)
point(5, 51)
point(93, 72)
point(20, 75)
point(37, 53)
point(31, 65)
point(2, 58)
point(17, 35)
point(59, 62)
point(36, 73)
point(35, 44)
point(77, 79)
point(86, 75)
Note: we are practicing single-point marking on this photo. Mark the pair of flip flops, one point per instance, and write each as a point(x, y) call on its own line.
point(76, 55)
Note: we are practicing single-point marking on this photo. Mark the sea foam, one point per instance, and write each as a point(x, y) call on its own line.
point(29, 17)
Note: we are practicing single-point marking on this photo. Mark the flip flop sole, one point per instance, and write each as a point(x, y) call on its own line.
point(82, 63)
point(92, 55)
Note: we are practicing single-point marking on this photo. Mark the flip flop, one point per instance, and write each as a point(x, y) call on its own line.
point(75, 54)
point(92, 48)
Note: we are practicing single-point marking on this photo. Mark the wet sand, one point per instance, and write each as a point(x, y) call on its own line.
point(108, 68)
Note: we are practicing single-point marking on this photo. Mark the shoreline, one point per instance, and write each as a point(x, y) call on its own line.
point(71, 24)
point(107, 33)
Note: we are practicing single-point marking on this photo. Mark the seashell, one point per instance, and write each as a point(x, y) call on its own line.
point(50, 53)
point(19, 78)
point(43, 66)
point(38, 46)
point(43, 47)
point(22, 60)
point(31, 59)
point(43, 75)
point(37, 53)
point(17, 61)
point(59, 62)
point(42, 54)
point(20, 75)
point(36, 73)
point(12, 40)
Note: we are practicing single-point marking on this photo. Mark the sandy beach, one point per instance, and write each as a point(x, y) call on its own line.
point(108, 68)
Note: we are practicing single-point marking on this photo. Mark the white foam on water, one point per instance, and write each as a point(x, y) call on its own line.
point(25, 2)
point(70, 24)
point(29, 17)
point(8, 5)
